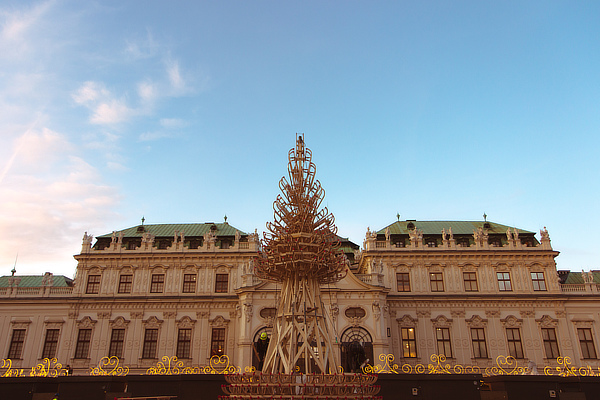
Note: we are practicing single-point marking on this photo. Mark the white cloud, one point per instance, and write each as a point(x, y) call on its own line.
point(16, 24)
point(111, 113)
point(45, 208)
point(90, 92)
point(151, 136)
point(147, 91)
point(175, 78)
point(172, 123)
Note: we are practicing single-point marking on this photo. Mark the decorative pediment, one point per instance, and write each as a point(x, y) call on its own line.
point(86, 323)
point(583, 323)
point(476, 322)
point(219, 320)
point(20, 323)
point(152, 322)
point(511, 322)
point(54, 323)
point(94, 271)
point(158, 269)
point(119, 322)
point(441, 321)
point(185, 322)
point(223, 269)
point(407, 321)
point(547, 322)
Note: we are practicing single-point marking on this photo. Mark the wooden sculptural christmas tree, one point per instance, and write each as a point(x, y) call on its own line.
point(301, 251)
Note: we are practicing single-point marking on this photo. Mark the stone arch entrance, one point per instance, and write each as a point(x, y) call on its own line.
point(356, 349)
point(256, 347)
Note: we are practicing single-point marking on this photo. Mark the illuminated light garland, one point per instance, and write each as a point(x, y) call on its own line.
point(49, 367)
point(110, 366)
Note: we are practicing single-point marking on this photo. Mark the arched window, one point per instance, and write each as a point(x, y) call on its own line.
point(356, 348)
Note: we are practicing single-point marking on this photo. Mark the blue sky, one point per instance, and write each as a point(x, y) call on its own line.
point(185, 112)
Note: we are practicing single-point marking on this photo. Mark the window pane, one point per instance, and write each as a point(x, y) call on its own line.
point(125, 283)
point(93, 284)
point(189, 283)
point(150, 343)
point(184, 341)
point(217, 346)
point(221, 283)
point(50, 343)
point(403, 280)
point(117, 340)
point(16, 344)
point(82, 348)
point(158, 283)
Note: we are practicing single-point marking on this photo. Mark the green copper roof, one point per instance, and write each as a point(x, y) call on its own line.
point(189, 230)
point(36, 281)
point(458, 227)
point(577, 278)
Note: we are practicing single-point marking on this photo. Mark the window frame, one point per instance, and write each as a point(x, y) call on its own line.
point(471, 281)
point(150, 348)
point(157, 283)
point(125, 286)
point(403, 285)
point(515, 344)
point(50, 343)
point(550, 343)
point(17, 344)
point(221, 283)
point(588, 341)
point(217, 338)
point(443, 344)
point(84, 341)
point(539, 285)
point(504, 282)
point(184, 343)
point(438, 282)
point(93, 284)
point(117, 344)
point(479, 343)
point(408, 336)
point(189, 286)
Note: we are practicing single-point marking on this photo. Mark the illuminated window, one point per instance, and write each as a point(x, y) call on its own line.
point(221, 283)
point(586, 341)
point(539, 283)
point(184, 343)
point(50, 343)
point(515, 347)
point(82, 348)
point(117, 339)
point(93, 284)
point(150, 343)
point(157, 284)
point(409, 343)
point(125, 283)
point(504, 284)
point(479, 346)
point(444, 347)
point(217, 342)
point(403, 281)
point(550, 343)
point(470, 279)
point(16, 344)
point(189, 283)
point(436, 280)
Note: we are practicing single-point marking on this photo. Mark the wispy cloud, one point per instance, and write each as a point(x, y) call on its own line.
point(172, 123)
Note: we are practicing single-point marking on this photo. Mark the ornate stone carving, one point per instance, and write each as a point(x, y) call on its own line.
point(185, 322)
point(511, 322)
point(119, 322)
point(169, 314)
point(219, 320)
point(136, 315)
point(476, 322)
point(441, 321)
point(103, 314)
point(527, 313)
point(492, 313)
point(424, 313)
point(86, 323)
point(547, 322)
point(457, 313)
point(248, 311)
point(407, 321)
point(152, 322)
point(202, 314)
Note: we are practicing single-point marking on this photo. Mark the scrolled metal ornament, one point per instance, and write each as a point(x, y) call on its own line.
point(110, 366)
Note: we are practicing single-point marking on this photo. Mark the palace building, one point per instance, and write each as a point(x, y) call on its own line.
point(469, 291)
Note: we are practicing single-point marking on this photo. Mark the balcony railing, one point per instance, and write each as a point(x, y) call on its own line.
point(43, 291)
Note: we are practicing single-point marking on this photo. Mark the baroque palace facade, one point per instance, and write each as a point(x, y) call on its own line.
point(470, 291)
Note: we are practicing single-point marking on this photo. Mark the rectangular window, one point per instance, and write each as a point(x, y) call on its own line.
point(150, 343)
point(189, 283)
point(539, 283)
point(409, 343)
point(587, 343)
point(84, 338)
point(117, 340)
point(470, 279)
point(550, 343)
point(125, 283)
point(93, 284)
point(16, 344)
point(504, 281)
point(479, 346)
point(437, 281)
point(515, 347)
point(403, 281)
point(50, 343)
point(184, 343)
point(444, 346)
point(217, 342)
point(157, 284)
point(221, 283)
